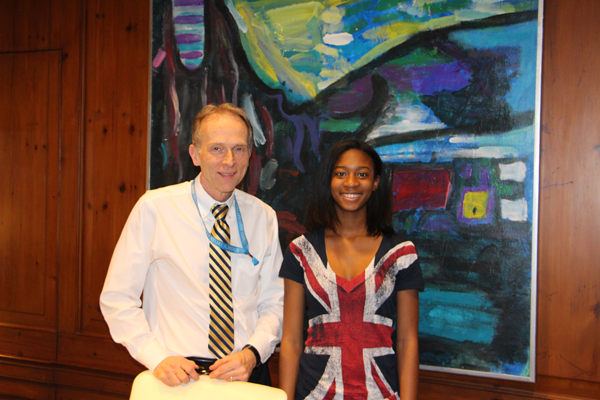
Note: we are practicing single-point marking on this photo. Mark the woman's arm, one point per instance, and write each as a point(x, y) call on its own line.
point(407, 343)
point(292, 343)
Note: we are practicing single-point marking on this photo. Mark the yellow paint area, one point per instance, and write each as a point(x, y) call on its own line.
point(332, 16)
point(389, 31)
point(328, 51)
point(269, 60)
point(292, 21)
point(475, 205)
point(291, 28)
point(442, 22)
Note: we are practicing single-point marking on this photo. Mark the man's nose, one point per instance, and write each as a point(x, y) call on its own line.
point(229, 158)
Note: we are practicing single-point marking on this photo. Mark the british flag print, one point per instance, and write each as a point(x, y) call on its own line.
point(352, 331)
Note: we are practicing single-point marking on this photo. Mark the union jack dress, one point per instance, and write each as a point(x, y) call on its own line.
point(349, 347)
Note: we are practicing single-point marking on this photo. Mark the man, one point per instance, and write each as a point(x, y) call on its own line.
point(207, 292)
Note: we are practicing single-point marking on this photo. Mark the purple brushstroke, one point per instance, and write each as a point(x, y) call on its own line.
point(427, 79)
point(188, 55)
point(301, 121)
point(182, 3)
point(288, 145)
point(440, 223)
point(359, 95)
point(298, 143)
point(484, 179)
point(431, 79)
point(466, 170)
point(299, 130)
point(313, 129)
point(189, 19)
point(189, 38)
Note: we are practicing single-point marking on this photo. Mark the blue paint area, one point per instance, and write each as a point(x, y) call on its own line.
point(460, 316)
point(518, 369)
point(523, 37)
point(187, 47)
point(511, 145)
point(190, 33)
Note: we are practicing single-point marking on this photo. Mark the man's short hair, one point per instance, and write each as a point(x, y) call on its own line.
point(224, 108)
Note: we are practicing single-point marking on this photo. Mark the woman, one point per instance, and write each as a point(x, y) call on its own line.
point(346, 283)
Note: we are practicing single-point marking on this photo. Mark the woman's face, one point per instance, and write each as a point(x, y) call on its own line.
point(353, 181)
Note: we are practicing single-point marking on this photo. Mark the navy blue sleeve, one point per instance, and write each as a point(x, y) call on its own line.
point(410, 278)
point(291, 268)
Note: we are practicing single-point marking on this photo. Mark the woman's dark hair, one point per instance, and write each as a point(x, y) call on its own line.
point(320, 212)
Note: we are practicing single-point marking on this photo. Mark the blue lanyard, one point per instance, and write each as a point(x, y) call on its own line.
point(245, 249)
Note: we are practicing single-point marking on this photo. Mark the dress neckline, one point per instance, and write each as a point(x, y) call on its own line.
point(349, 285)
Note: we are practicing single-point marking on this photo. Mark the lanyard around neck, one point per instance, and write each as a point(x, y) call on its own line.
point(245, 249)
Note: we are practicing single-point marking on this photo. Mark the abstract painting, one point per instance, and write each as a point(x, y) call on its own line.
point(446, 91)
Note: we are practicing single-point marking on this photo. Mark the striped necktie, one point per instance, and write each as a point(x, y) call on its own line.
point(220, 333)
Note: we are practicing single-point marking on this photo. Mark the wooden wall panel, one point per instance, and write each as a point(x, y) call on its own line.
point(115, 144)
point(569, 251)
point(26, 380)
point(67, 34)
point(24, 25)
point(29, 140)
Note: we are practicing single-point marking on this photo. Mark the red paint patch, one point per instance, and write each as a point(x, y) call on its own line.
point(420, 189)
point(287, 221)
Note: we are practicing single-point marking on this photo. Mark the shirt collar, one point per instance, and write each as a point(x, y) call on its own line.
point(205, 201)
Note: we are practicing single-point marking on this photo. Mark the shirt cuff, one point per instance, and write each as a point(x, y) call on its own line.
point(152, 355)
point(264, 346)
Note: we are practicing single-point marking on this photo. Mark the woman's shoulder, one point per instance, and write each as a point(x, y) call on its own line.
point(313, 238)
point(396, 239)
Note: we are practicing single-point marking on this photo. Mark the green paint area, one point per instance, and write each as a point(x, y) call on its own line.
point(359, 8)
point(384, 5)
point(338, 125)
point(357, 26)
point(397, 16)
point(268, 4)
point(522, 6)
point(421, 57)
point(306, 62)
point(446, 6)
point(505, 190)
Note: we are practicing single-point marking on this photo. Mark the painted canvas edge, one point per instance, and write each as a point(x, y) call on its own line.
point(535, 227)
point(149, 105)
point(535, 214)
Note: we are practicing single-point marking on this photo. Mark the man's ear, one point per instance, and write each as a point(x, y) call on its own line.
point(194, 155)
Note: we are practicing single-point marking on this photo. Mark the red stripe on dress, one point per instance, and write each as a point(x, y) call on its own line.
point(310, 275)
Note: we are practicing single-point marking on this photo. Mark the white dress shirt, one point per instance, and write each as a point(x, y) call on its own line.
point(163, 252)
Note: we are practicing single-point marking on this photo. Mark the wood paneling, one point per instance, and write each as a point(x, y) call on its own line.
point(569, 254)
point(115, 147)
point(29, 140)
point(78, 349)
point(24, 25)
point(21, 389)
point(67, 34)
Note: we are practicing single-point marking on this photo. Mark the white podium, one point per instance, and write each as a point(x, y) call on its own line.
point(147, 387)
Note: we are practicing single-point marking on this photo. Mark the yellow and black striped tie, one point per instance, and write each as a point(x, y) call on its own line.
point(220, 333)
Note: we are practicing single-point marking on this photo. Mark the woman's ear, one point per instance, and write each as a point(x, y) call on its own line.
point(376, 183)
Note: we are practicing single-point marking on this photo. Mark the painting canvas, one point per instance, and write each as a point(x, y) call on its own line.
point(446, 91)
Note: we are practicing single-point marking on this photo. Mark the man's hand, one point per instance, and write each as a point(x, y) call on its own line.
point(234, 367)
point(175, 370)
